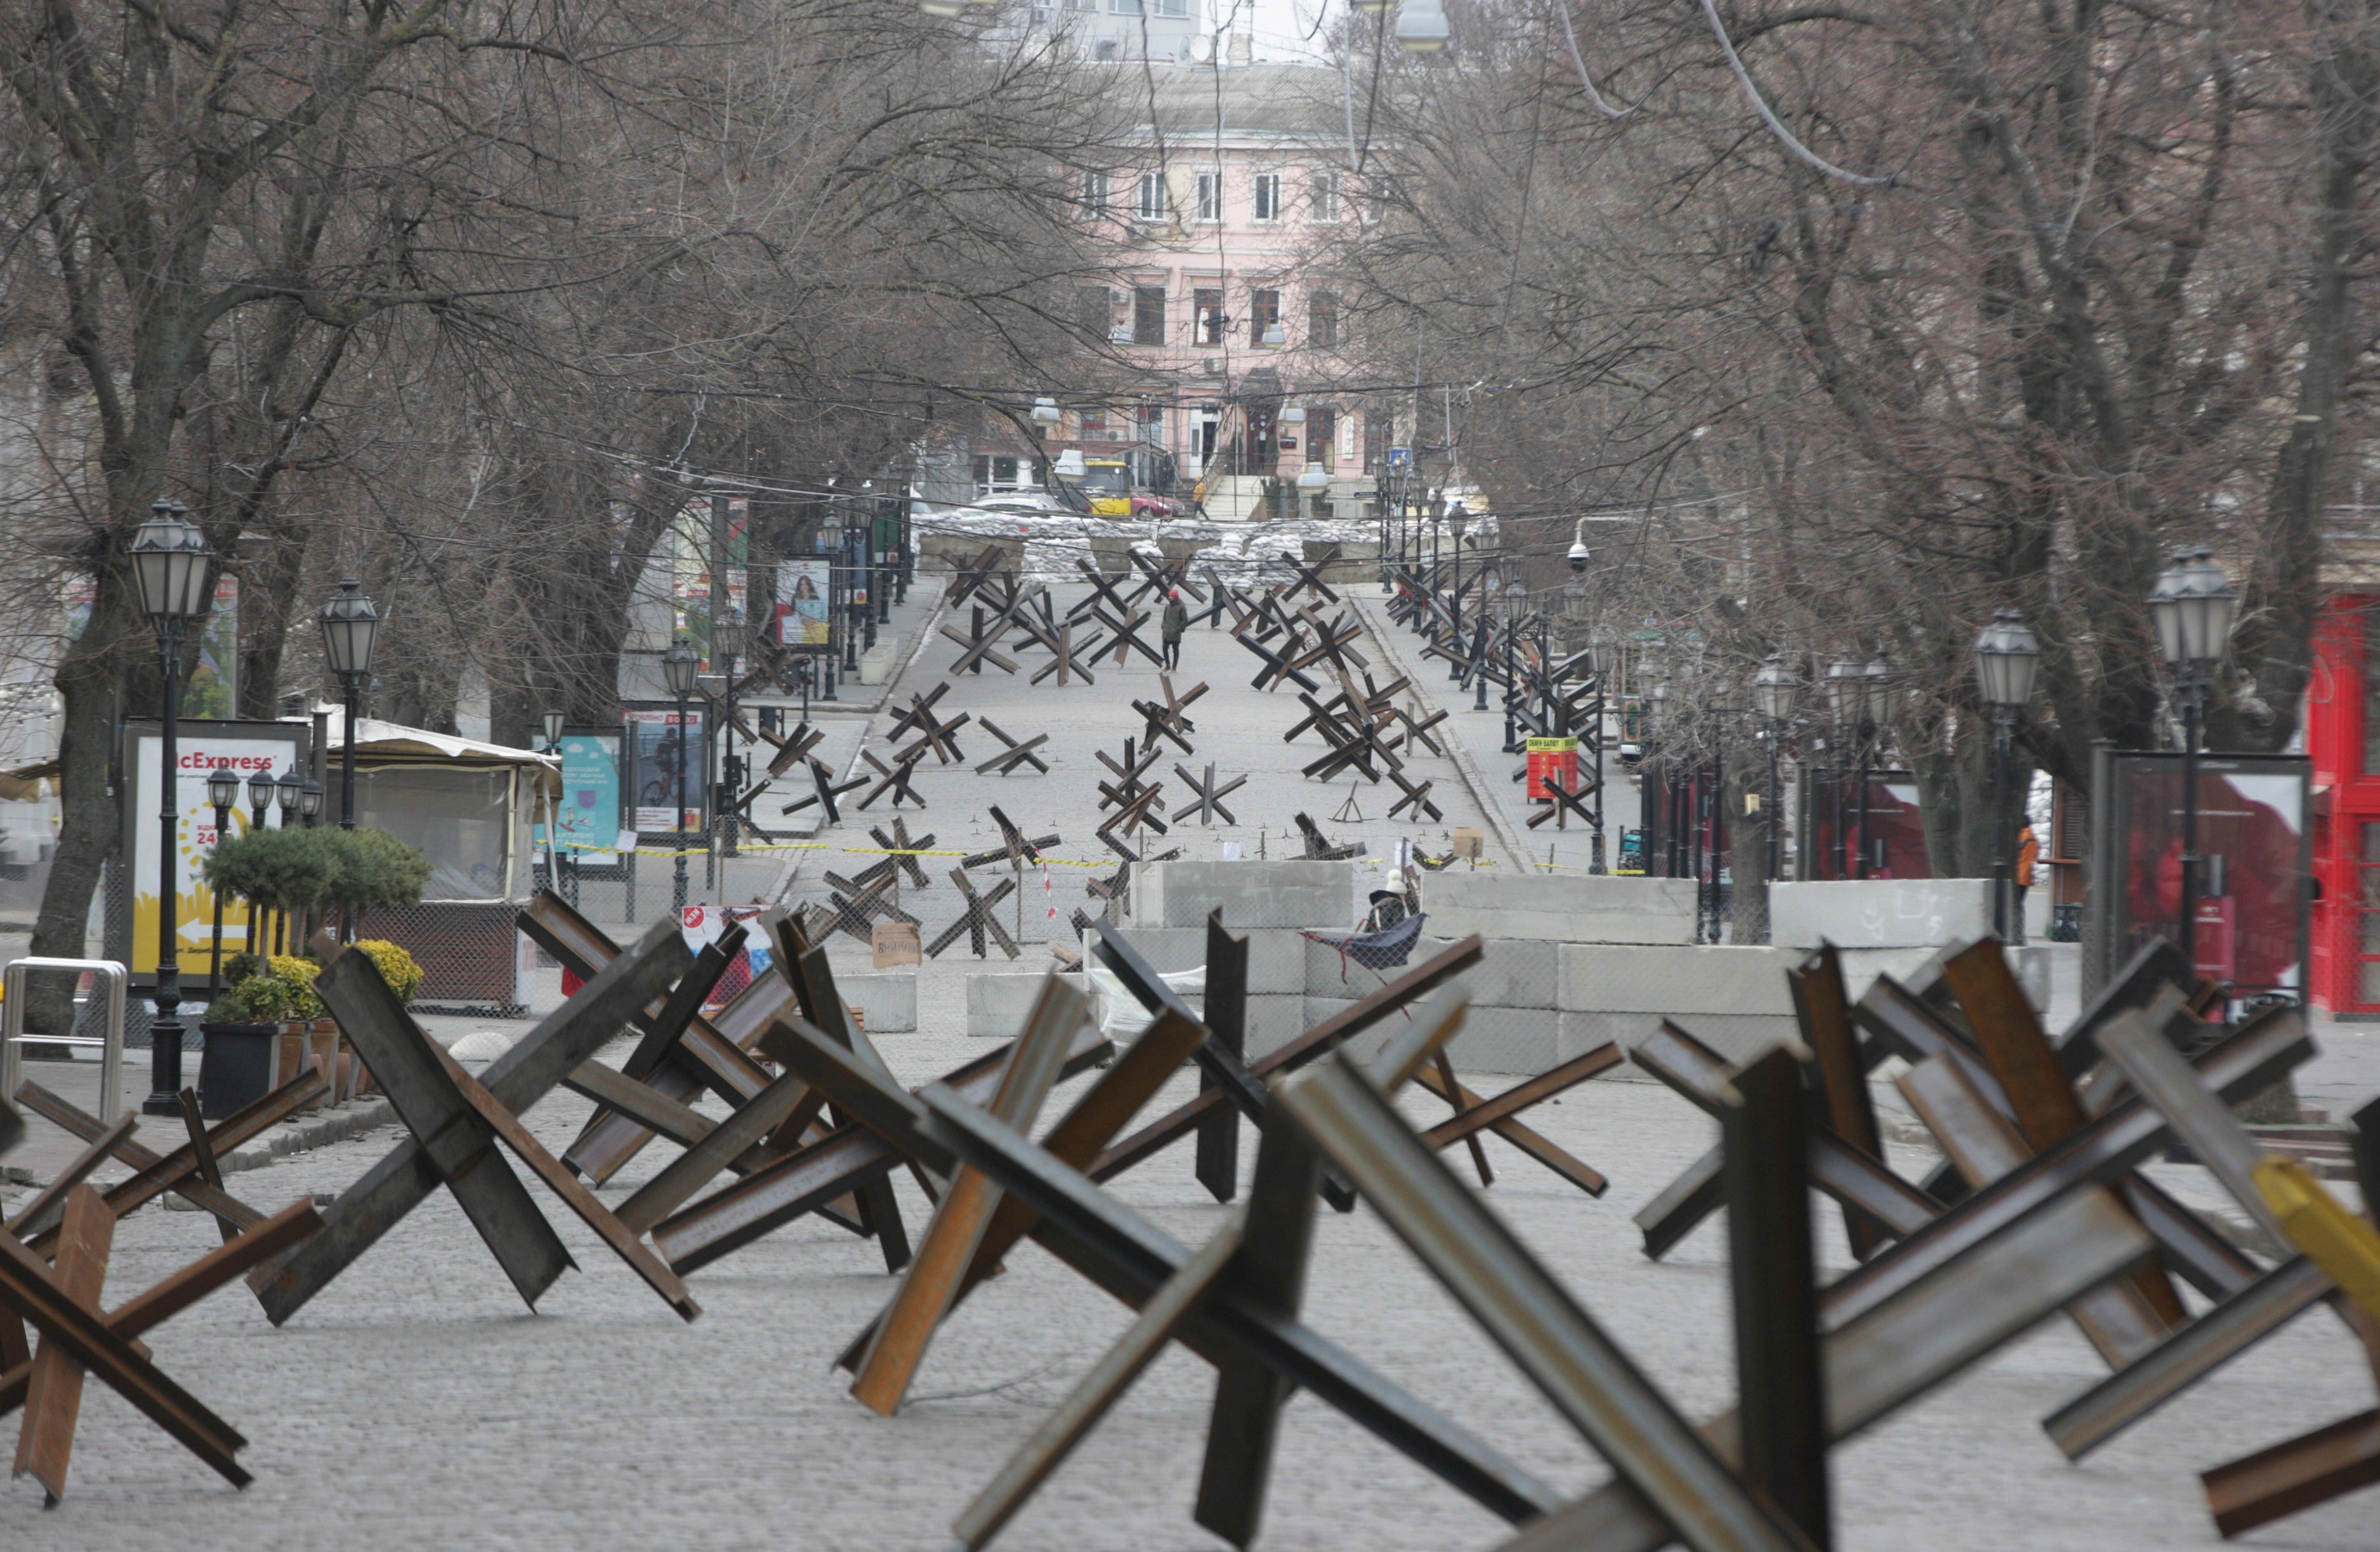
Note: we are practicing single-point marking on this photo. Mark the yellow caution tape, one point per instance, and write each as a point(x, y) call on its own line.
point(2341, 1243)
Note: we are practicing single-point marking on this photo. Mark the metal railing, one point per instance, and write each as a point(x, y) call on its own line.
point(13, 998)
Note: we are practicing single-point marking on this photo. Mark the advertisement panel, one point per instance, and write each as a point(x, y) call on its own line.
point(803, 591)
point(2252, 891)
point(200, 747)
point(590, 810)
point(654, 739)
point(1552, 760)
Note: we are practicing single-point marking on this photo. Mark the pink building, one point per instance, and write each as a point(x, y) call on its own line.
point(1243, 177)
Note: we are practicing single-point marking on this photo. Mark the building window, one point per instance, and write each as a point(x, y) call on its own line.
point(1266, 197)
point(1207, 321)
point(1322, 321)
point(1383, 190)
point(1148, 203)
point(1095, 195)
point(1123, 8)
point(1321, 435)
point(1149, 315)
point(1210, 196)
point(2372, 695)
point(1322, 198)
point(1264, 318)
point(1094, 423)
point(1152, 423)
point(1380, 435)
point(1168, 7)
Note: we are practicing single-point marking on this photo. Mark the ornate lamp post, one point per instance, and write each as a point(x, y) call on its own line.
point(1516, 604)
point(679, 666)
point(1847, 705)
point(223, 791)
point(309, 803)
point(171, 563)
point(551, 725)
point(726, 646)
point(2006, 656)
point(350, 630)
point(1457, 518)
point(2193, 605)
point(1772, 695)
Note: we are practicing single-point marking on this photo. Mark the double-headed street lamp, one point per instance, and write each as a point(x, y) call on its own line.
point(2006, 656)
point(1859, 698)
point(1772, 695)
point(2193, 605)
point(679, 666)
point(171, 572)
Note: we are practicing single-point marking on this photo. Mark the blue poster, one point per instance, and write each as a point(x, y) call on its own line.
point(590, 796)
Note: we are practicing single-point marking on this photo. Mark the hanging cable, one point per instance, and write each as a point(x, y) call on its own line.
point(1585, 80)
point(1776, 126)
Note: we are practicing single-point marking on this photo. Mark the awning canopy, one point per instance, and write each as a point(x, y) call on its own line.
point(380, 743)
point(24, 783)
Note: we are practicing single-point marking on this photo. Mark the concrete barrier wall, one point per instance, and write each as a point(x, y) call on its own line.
point(887, 999)
point(1880, 913)
point(1250, 893)
point(1565, 908)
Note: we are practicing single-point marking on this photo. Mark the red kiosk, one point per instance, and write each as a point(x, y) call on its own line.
point(2342, 732)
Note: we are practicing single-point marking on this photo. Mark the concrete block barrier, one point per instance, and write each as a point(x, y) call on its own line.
point(1562, 908)
point(1880, 913)
point(1249, 893)
point(887, 999)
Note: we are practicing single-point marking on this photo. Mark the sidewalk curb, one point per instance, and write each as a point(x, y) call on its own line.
point(304, 1137)
point(1474, 779)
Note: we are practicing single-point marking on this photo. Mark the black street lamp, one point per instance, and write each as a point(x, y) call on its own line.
point(2193, 605)
point(2006, 656)
point(551, 724)
point(726, 646)
point(223, 791)
point(1458, 520)
point(1847, 705)
point(350, 630)
point(1516, 603)
point(679, 666)
point(1772, 695)
point(309, 803)
point(171, 567)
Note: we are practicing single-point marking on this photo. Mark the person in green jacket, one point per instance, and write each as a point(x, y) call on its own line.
point(1170, 629)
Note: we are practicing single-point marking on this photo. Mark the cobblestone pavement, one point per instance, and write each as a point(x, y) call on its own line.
point(416, 1404)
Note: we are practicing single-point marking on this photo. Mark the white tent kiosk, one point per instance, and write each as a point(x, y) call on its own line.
point(468, 806)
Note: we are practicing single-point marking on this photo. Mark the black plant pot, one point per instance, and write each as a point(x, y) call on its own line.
point(236, 1067)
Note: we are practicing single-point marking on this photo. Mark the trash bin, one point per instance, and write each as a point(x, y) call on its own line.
point(234, 1067)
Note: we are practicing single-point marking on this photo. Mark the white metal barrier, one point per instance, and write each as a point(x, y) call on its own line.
point(111, 1044)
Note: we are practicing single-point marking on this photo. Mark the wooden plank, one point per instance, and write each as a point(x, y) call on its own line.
point(1823, 1009)
point(53, 1391)
point(948, 1246)
point(563, 1183)
point(455, 1139)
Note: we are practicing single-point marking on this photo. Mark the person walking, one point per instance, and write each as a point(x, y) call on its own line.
point(1170, 629)
point(2028, 853)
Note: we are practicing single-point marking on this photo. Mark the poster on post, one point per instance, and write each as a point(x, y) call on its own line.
point(589, 812)
point(803, 588)
point(200, 748)
point(666, 766)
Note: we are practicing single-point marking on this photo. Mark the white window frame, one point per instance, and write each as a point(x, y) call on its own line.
point(1264, 198)
point(1322, 199)
point(1123, 8)
point(1210, 188)
point(1098, 193)
point(1148, 197)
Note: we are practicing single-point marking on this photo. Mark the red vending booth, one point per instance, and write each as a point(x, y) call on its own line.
point(2342, 729)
